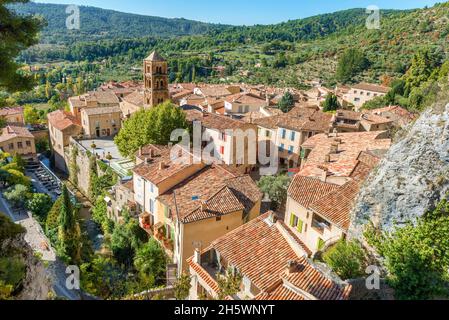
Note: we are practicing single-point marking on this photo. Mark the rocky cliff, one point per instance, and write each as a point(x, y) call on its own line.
point(412, 178)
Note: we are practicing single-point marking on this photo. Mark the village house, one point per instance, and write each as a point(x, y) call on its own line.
point(121, 89)
point(318, 211)
point(361, 93)
point(94, 99)
point(62, 126)
point(101, 122)
point(231, 139)
point(186, 203)
point(336, 154)
point(216, 91)
point(321, 196)
point(242, 103)
point(17, 141)
point(352, 121)
point(132, 103)
point(399, 116)
point(287, 132)
point(273, 262)
point(13, 116)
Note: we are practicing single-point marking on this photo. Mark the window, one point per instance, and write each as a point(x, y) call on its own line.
point(320, 224)
point(292, 136)
point(282, 147)
point(290, 149)
point(20, 145)
point(222, 150)
point(11, 146)
point(297, 223)
point(28, 143)
point(223, 136)
point(283, 133)
point(151, 187)
point(268, 134)
point(151, 205)
point(218, 218)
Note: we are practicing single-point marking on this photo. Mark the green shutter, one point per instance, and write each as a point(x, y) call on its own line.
point(320, 244)
point(292, 220)
point(300, 226)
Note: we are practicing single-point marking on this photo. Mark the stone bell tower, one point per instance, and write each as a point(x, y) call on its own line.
point(155, 71)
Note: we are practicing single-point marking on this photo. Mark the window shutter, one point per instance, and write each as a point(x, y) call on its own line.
point(300, 226)
point(320, 244)
point(292, 220)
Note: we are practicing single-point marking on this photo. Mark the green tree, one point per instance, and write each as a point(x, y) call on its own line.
point(182, 287)
point(18, 32)
point(102, 277)
point(286, 103)
point(417, 255)
point(347, 259)
point(150, 261)
point(331, 103)
point(3, 122)
point(99, 215)
point(40, 204)
point(351, 63)
point(275, 187)
point(31, 115)
point(18, 160)
point(150, 126)
point(17, 195)
point(423, 64)
point(69, 233)
point(9, 229)
point(229, 284)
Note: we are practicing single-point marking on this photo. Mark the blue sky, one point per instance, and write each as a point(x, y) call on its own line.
point(239, 12)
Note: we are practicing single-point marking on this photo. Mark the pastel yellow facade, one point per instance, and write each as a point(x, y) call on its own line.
point(313, 230)
point(101, 124)
point(19, 145)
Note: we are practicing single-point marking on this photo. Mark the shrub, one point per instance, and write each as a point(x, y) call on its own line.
point(347, 259)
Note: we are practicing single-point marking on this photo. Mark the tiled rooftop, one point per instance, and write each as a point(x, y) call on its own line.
point(261, 253)
point(62, 120)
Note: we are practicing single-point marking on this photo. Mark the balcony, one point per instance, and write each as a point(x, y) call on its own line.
point(145, 223)
point(160, 234)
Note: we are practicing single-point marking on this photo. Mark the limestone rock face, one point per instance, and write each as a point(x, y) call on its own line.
point(411, 179)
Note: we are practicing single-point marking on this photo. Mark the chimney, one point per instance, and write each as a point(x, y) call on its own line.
point(203, 206)
point(327, 158)
point(334, 148)
point(292, 267)
point(273, 218)
point(161, 165)
point(140, 151)
point(324, 174)
point(151, 154)
point(197, 256)
point(336, 132)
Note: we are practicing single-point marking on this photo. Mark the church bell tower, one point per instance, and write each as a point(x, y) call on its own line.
point(155, 71)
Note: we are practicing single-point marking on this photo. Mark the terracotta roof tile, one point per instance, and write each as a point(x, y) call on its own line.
point(261, 253)
point(306, 191)
point(10, 132)
point(62, 120)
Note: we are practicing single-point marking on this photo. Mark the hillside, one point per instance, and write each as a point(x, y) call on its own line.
point(97, 23)
point(287, 54)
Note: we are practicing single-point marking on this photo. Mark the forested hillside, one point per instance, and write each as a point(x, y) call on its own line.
point(287, 54)
point(99, 23)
